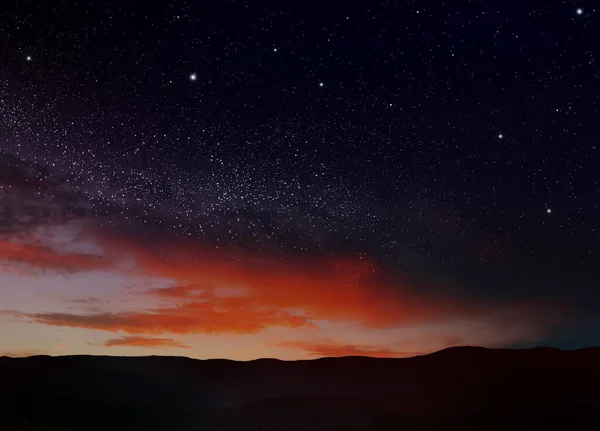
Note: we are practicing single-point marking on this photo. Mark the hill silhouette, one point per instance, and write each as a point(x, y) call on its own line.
point(456, 388)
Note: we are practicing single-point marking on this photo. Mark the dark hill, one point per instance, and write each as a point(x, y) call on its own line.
point(457, 388)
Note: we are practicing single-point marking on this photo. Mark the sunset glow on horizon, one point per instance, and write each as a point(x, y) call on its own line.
point(117, 297)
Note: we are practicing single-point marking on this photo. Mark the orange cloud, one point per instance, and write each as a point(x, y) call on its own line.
point(26, 258)
point(138, 341)
point(197, 317)
point(325, 289)
point(325, 349)
point(234, 292)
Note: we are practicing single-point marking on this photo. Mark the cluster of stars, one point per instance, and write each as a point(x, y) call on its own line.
point(425, 140)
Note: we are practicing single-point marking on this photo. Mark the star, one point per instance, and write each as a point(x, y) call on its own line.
point(500, 136)
point(28, 58)
point(274, 49)
point(579, 11)
point(549, 211)
point(193, 77)
point(321, 84)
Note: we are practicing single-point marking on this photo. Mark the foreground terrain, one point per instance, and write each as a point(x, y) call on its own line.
point(457, 388)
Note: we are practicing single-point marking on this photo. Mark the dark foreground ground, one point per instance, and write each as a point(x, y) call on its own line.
point(458, 388)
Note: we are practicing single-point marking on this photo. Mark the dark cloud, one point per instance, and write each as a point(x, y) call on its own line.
point(90, 300)
point(31, 196)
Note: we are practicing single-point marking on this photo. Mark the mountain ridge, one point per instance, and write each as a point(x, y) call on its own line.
point(467, 387)
point(437, 352)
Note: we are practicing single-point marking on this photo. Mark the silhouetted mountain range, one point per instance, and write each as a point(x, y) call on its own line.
point(457, 388)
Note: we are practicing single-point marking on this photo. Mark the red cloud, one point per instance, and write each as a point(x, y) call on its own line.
point(325, 349)
point(326, 289)
point(138, 341)
point(228, 316)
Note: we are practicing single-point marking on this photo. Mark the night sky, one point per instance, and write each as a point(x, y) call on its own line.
point(298, 179)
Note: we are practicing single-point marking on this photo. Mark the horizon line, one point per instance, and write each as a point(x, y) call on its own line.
point(416, 354)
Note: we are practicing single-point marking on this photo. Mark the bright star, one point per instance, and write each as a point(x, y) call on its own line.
point(500, 136)
point(274, 49)
point(549, 211)
point(28, 58)
point(321, 84)
point(193, 77)
point(579, 11)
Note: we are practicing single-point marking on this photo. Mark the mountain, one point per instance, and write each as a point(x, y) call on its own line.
point(457, 388)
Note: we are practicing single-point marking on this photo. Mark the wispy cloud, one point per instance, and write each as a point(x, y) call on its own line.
point(90, 300)
point(27, 259)
point(333, 349)
point(145, 342)
point(186, 319)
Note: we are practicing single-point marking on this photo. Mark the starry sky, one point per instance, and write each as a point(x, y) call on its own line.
point(245, 179)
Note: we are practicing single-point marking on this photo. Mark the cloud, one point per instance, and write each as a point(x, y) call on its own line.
point(234, 292)
point(238, 315)
point(32, 195)
point(179, 292)
point(27, 259)
point(323, 289)
point(90, 300)
point(333, 349)
point(145, 342)
point(197, 317)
